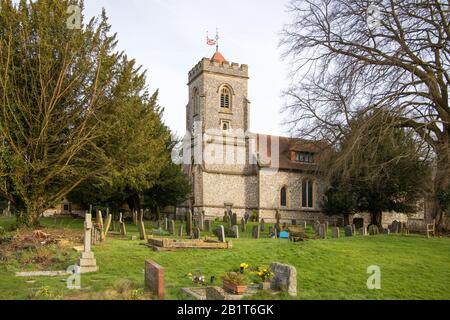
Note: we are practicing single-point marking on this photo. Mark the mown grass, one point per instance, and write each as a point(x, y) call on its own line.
point(412, 267)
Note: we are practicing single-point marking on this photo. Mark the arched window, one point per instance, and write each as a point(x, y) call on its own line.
point(283, 197)
point(196, 101)
point(225, 98)
point(307, 193)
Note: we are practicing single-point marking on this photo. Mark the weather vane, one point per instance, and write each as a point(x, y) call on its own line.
point(213, 41)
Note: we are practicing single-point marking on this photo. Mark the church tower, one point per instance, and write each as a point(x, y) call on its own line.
point(218, 112)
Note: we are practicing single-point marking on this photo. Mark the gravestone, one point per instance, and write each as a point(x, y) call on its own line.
point(87, 262)
point(255, 232)
point(373, 230)
point(316, 226)
point(221, 233)
point(386, 231)
point(226, 219)
point(100, 225)
point(166, 224)
point(294, 222)
point(107, 225)
point(348, 231)
point(354, 229)
point(135, 220)
point(322, 231)
point(201, 221)
point(180, 230)
point(189, 223)
point(235, 231)
point(172, 226)
point(304, 225)
point(154, 278)
point(284, 278)
point(263, 225)
point(141, 226)
point(363, 231)
point(234, 221)
point(196, 233)
point(243, 225)
point(246, 217)
point(326, 226)
point(207, 225)
point(335, 232)
point(123, 229)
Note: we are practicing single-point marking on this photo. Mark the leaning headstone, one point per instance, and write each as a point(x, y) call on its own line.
point(172, 227)
point(284, 278)
point(235, 231)
point(255, 232)
point(335, 232)
point(87, 262)
point(243, 225)
point(207, 226)
point(234, 219)
point(107, 225)
point(263, 225)
point(154, 278)
point(123, 229)
point(189, 223)
point(100, 225)
point(196, 233)
point(142, 233)
point(348, 231)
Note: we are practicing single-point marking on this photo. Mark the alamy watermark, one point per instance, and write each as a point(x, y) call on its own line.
point(374, 280)
point(73, 282)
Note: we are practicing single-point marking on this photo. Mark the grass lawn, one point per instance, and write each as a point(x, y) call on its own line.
point(412, 267)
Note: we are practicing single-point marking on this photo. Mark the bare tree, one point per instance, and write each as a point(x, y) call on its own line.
point(350, 57)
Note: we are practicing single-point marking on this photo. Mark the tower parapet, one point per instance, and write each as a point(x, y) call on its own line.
point(213, 66)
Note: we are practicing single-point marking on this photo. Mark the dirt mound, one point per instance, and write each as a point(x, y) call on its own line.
point(25, 239)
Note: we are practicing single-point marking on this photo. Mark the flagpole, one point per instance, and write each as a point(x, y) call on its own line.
point(217, 40)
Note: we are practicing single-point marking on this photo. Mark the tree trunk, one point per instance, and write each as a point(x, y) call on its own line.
point(29, 217)
point(377, 218)
point(441, 180)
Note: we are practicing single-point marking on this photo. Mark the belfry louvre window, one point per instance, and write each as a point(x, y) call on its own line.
point(225, 98)
point(307, 193)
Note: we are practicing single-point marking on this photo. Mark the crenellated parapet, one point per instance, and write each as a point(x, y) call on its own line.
point(213, 66)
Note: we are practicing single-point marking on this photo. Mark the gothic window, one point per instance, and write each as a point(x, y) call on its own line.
point(307, 193)
point(283, 197)
point(225, 98)
point(196, 101)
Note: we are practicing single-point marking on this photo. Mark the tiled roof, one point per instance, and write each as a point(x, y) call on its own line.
point(218, 57)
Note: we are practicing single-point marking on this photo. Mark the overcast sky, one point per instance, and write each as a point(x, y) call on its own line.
point(168, 37)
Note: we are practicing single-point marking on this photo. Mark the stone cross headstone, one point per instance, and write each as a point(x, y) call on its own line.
point(348, 231)
point(154, 278)
point(207, 226)
point(189, 223)
point(87, 262)
point(107, 225)
point(335, 232)
point(235, 231)
point(243, 225)
point(263, 225)
point(284, 278)
point(255, 232)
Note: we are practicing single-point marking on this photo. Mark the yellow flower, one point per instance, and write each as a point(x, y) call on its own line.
point(189, 274)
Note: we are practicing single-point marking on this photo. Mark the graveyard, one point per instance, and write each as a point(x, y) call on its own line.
point(412, 266)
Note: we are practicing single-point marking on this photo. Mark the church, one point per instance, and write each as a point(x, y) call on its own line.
point(231, 168)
